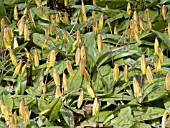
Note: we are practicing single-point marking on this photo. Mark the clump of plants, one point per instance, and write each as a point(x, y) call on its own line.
point(97, 63)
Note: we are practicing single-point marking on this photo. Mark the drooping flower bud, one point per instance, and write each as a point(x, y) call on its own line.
point(136, 88)
point(143, 65)
point(116, 73)
point(149, 24)
point(101, 22)
point(100, 43)
point(69, 68)
point(163, 9)
point(21, 26)
point(56, 77)
point(90, 91)
point(26, 33)
point(167, 81)
point(36, 58)
point(57, 18)
point(129, 9)
point(161, 55)
point(136, 37)
point(21, 109)
point(147, 14)
point(58, 92)
point(77, 56)
point(135, 16)
point(80, 99)
point(65, 2)
point(47, 32)
point(26, 115)
point(52, 58)
point(115, 30)
point(15, 117)
point(149, 75)
point(95, 110)
point(13, 58)
point(15, 13)
point(158, 69)
point(156, 45)
point(164, 119)
point(169, 30)
point(29, 57)
point(15, 43)
point(23, 69)
point(65, 82)
point(66, 19)
point(44, 88)
point(86, 75)
point(126, 73)
point(6, 115)
point(7, 44)
point(17, 69)
point(141, 23)
point(82, 66)
point(83, 53)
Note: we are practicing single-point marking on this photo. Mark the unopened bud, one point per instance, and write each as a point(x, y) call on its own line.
point(129, 9)
point(17, 69)
point(77, 56)
point(65, 82)
point(141, 24)
point(149, 24)
point(15, 13)
point(69, 68)
point(94, 16)
point(23, 69)
point(13, 58)
point(83, 53)
point(163, 9)
point(6, 114)
point(136, 37)
point(6, 43)
point(21, 26)
point(66, 19)
point(143, 65)
point(115, 30)
point(56, 77)
point(58, 92)
point(100, 43)
point(95, 110)
point(44, 44)
point(15, 43)
point(21, 109)
point(29, 57)
point(167, 81)
point(65, 2)
point(26, 115)
point(47, 32)
point(164, 119)
point(57, 19)
point(83, 7)
point(86, 75)
point(31, 18)
point(80, 99)
point(158, 69)
point(169, 30)
point(126, 73)
point(52, 58)
point(135, 16)
point(147, 14)
point(149, 75)
point(82, 66)
point(36, 58)
point(161, 55)
point(44, 88)
point(26, 33)
point(78, 35)
point(37, 3)
point(136, 88)
point(101, 22)
point(90, 91)
point(116, 73)
point(64, 37)
point(156, 45)
point(15, 117)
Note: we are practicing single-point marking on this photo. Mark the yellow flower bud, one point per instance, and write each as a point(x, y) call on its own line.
point(65, 82)
point(36, 58)
point(23, 69)
point(149, 24)
point(135, 16)
point(86, 75)
point(167, 81)
point(115, 30)
point(136, 88)
point(83, 7)
point(95, 110)
point(47, 33)
point(29, 57)
point(7, 44)
point(161, 56)
point(65, 2)
point(80, 99)
point(107, 7)
point(101, 22)
point(13, 58)
point(143, 65)
point(3, 22)
point(57, 19)
point(6, 114)
point(78, 35)
point(58, 92)
point(17, 69)
point(52, 58)
point(126, 73)
point(94, 16)
point(149, 75)
point(37, 3)
point(44, 44)
point(2, 106)
point(26, 115)
point(56, 77)
point(31, 18)
point(158, 67)
point(147, 14)
point(83, 53)
point(129, 9)
point(21, 26)
point(64, 37)
point(164, 119)
point(77, 56)
point(156, 45)
point(56, 39)
point(82, 66)
point(100, 43)
point(66, 19)
point(116, 73)
point(15, 117)
point(90, 91)
point(26, 33)
point(69, 68)
point(15, 43)
point(21, 109)
point(15, 13)
point(136, 37)
point(163, 9)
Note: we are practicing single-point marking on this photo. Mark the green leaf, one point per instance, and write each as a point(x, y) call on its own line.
point(56, 110)
point(8, 101)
